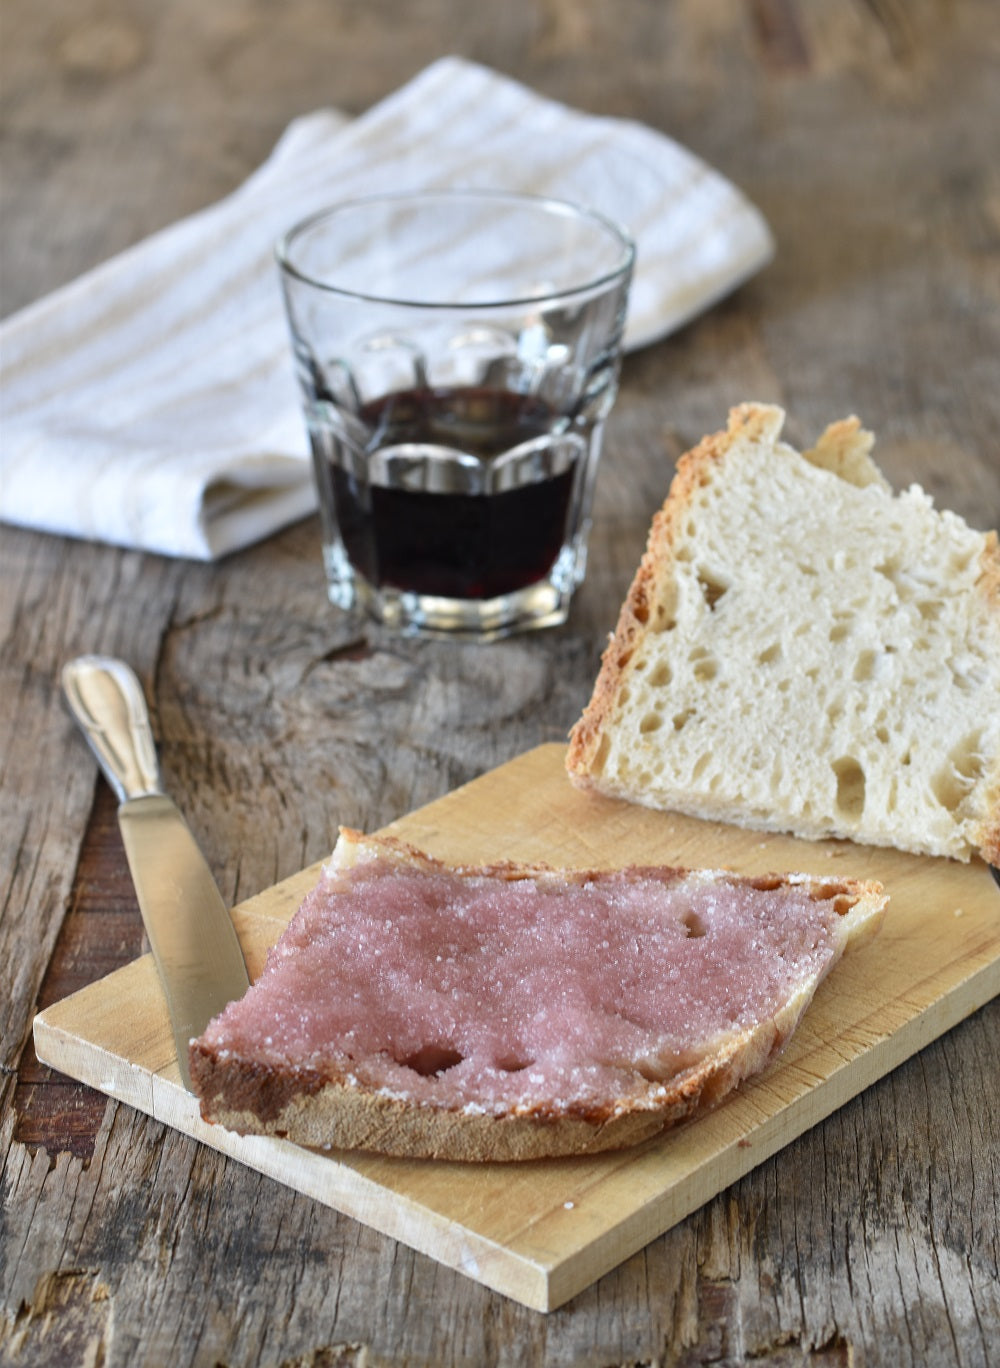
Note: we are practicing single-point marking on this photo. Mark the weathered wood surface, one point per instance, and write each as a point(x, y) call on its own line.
point(867, 133)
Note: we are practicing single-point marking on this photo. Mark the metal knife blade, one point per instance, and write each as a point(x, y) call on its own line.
point(190, 931)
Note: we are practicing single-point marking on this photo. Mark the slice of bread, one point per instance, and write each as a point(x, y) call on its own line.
point(515, 1011)
point(801, 650)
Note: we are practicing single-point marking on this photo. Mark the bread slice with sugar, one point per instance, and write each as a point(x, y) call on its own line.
point(511, 1012)
point(802, 650)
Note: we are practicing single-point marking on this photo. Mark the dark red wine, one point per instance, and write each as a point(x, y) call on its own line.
point(455, 543)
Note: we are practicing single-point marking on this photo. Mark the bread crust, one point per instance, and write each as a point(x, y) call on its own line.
point(331, 1110)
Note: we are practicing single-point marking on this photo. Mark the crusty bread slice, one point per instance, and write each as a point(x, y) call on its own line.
point(803, 651)
point(516, 1011)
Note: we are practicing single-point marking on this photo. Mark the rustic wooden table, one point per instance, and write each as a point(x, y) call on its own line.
point(867, 134)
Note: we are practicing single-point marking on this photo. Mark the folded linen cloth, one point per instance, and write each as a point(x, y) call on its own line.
point(152, 402)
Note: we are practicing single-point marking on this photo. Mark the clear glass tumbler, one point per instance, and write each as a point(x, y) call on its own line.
point(458, 354)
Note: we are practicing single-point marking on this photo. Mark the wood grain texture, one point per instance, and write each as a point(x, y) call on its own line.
point(102, 931)
point(866, 133)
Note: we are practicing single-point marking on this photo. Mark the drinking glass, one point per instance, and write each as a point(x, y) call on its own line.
point(458, 354)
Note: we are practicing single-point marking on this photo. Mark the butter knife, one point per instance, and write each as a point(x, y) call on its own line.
point(190, 932)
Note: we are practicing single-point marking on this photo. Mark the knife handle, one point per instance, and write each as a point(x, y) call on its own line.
point(107, 701)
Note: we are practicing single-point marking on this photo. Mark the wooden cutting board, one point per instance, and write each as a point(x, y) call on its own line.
point(542, 1231)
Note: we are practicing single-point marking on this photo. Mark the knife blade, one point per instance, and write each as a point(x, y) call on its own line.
point(191, 934)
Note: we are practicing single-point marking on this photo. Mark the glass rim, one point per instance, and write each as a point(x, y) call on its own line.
point(555, 206)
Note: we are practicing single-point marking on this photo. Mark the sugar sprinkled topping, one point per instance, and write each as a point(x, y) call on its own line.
point(479, 993)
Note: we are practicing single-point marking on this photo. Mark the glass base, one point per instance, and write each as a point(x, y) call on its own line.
point(540, 605)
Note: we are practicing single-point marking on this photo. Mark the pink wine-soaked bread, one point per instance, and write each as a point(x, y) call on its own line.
point(515, 1011)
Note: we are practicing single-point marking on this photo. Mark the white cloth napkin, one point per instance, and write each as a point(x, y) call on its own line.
point(152, 403)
